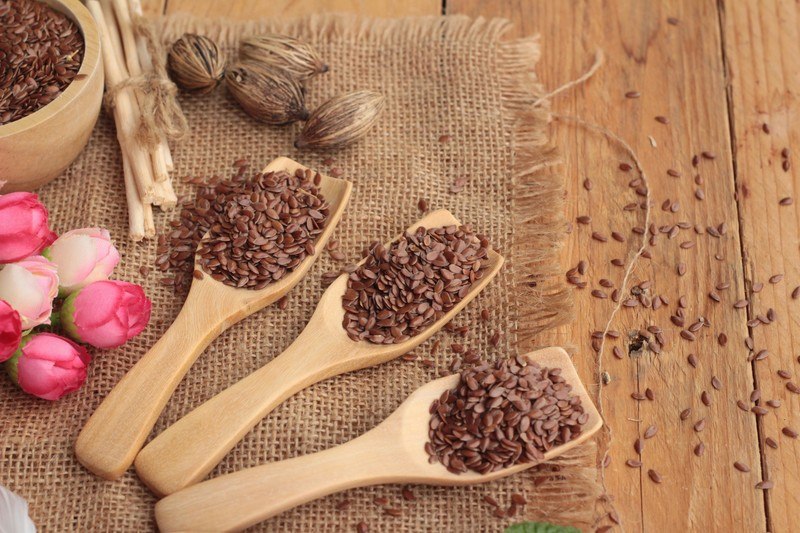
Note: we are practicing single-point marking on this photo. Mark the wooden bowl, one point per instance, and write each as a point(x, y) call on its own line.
point(37, 148)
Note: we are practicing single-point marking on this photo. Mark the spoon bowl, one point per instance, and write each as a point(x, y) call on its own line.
point(116, 431)
point(189, 449)
point(392, 452)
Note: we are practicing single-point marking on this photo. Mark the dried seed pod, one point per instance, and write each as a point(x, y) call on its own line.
point(196, 64)
point(284, 52)
point(341, 120)
point(266, 94)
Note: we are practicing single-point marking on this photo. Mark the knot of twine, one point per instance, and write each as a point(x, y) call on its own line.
point(161, 114)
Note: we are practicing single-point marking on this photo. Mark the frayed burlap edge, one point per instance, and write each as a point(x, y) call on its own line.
point(543, 299)
point(566, 490)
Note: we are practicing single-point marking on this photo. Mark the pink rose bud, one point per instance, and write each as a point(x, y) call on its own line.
point(30, 287)
point(48, 366)
point(23, 226)
point(106, 314)
point(83, 256)
point(10, 330)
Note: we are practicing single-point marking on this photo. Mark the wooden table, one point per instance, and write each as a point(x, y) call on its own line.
point(719, 72)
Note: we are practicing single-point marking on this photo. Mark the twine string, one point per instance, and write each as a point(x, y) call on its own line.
point(613, 138)
point(161, 115)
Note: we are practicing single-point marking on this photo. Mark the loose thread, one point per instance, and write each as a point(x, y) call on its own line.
point(599, 59)
point(611, 136)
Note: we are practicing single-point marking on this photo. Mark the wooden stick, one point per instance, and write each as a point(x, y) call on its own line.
point(124, 113)
point(135, 207)
point(165, 194)
point(149, 224)
point(139, 61)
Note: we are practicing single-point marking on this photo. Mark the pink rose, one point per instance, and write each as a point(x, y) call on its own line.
point(23, 226)
point(106, 314)
point(30, 287)
point(83, 256)
point(10, 330)
point(48, 366)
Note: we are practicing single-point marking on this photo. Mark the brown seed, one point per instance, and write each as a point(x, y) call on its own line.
point(648, 392)
point(786, 201)
point(777, 278)
point(633, 463)
point(587, 184)
point(765, 485)
point(518, 499)
point(599, 236)
point(772, 443)
point(422, 204)
point(362, 527)
point(650, 432)
point(662, 119)
point(716, 383)
point(722, 339)
point(583, 219)
point(700, 449)
point(654, 476)
point(491, 501)
point(700, 425)
point(392, 511)
point(705, 398)
point(708, 155)
point(638, 446)
point(789, 432)
point(692, 359)
point(673, 21)
point(625, 167)
point(343, 505)
point(741, 467)
point(444, 138)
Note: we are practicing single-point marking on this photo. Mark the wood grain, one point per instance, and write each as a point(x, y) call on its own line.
point(249, 9)
point(762, 44)
point(679, 72)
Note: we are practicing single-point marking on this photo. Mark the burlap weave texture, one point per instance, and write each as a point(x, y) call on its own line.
point(441, 76)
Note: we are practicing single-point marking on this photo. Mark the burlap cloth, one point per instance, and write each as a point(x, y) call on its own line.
point(441, 76)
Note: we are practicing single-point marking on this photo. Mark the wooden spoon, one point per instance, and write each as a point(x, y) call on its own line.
point(189, 449)
point(392, 452)
point(114, 434)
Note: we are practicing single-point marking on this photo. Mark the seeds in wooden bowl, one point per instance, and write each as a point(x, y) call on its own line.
point(503, 414)
point(40, 54)
point(248, 231)
point(402, 289)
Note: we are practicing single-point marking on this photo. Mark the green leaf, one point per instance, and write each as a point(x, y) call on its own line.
point(540, 527)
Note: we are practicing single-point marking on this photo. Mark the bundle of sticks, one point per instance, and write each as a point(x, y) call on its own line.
point(146, 165)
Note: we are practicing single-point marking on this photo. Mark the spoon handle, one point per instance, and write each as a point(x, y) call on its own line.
point(236, 501)
point(188, 450)
point(110, 440)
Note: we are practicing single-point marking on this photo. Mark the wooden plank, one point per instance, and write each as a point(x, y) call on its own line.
point(762, 46)
point(678, 70)
point(250, 9)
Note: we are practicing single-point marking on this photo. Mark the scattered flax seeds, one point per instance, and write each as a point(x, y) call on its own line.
point(248, 231)
point(402, 289)
point(501, 415)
